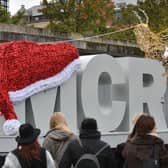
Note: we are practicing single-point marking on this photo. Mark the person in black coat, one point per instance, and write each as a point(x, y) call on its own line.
point(89, 142)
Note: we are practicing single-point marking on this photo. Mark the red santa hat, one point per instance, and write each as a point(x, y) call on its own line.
point(27, 68)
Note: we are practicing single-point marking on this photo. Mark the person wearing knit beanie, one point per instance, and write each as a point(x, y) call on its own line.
point(89, 142)
point(89, 124)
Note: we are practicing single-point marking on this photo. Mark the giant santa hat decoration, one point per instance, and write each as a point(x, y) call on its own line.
point(27, 68)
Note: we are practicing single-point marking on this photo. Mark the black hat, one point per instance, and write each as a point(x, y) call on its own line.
point(89, 124)
point(27, 134)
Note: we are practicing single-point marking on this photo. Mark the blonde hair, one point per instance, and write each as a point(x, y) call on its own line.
point(58, 121)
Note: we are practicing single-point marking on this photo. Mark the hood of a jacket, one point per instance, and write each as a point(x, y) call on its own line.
point(57, 135)
point(147, 140)
point(143, 146)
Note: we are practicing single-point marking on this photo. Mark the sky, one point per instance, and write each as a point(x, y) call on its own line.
point(14, 5)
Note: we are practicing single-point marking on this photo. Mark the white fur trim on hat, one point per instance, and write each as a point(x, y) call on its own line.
point(56, 80)
point(11, 127)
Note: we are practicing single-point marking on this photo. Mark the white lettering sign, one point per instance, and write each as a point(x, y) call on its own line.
point(109, 89)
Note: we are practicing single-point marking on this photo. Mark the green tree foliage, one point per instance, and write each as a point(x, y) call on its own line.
point(128, 16)
point(78, 15)
point(127, 35)
point(124, 18)
point(4, 15)
point(18, 18)
point(157, 11)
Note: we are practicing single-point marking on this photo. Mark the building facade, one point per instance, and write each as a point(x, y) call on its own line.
point(125, 1)
point(4, 4)
point(34, 16)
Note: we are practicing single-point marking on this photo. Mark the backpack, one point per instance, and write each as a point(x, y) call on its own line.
point(42, 163)
point(89, 160)
point(62, 146)
point(154, 162)
point(150, 163)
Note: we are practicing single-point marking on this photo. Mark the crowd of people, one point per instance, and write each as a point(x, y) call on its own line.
point(61, 148)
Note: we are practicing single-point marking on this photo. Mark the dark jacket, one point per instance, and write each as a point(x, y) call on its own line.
point(2, 160)
point(119, 159)
point(141, 147)
point(91, 143)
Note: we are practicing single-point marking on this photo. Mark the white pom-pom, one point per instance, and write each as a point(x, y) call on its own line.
point(11, 127)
